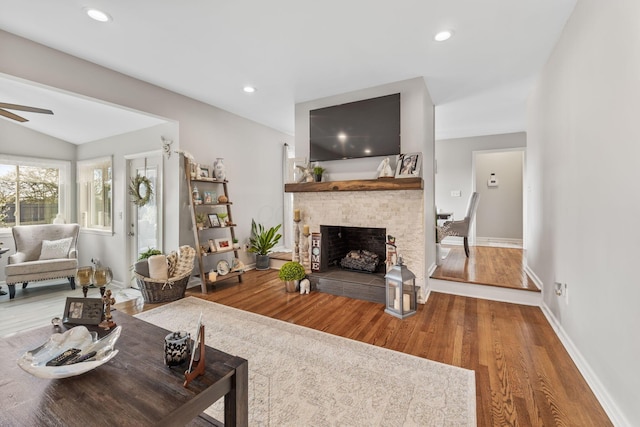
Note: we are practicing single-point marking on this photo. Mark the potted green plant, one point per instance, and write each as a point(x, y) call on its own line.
point(236, 243)
point(141, 266)
point(223, 219)
point(291, 273)
point(261, 242)
point(201, 220)
point(148, 253)
point(317, 173)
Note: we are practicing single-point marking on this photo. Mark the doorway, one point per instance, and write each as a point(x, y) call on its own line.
point(145, 223)
point(499, 179)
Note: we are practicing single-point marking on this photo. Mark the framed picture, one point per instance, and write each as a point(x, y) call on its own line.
point(214, 220)
point(223, 244)
point(208, 197)
point(83, 311)
point(204, 172)
point(409, 165)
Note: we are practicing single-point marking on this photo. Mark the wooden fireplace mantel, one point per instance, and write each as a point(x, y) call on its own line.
point(381, 184)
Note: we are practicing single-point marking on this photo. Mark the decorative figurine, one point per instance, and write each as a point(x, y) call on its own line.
point(384, 170)
point(108, 301)
point(305, 286)
point(307, 173)
point(219, 169)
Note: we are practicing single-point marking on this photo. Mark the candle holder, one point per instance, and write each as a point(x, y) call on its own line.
point(84, 278)
point(296, 239)
point(305, 251)
point(102, 276)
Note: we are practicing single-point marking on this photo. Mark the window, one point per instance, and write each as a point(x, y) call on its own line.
point(95, 193)
point(33, 191)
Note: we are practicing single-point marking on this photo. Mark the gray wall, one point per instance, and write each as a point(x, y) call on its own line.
point(582, 168)
point(110, 249)
point(499, 214)
point(252, 151)
point(417, 130)
point(416, 127)
point(17, 140)
point(454, 160)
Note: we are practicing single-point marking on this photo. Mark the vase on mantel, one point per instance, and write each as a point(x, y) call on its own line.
point(220, 169)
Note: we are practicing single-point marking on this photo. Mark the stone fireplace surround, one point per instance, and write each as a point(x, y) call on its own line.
point(362, 203)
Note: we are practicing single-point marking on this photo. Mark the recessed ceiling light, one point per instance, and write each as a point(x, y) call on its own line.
point(249, 89)
point(443, 35)
point(98, 15)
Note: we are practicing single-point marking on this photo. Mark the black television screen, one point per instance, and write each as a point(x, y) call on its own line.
point(366, 128)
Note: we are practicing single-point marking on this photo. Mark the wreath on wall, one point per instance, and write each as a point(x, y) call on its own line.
point(140, 190)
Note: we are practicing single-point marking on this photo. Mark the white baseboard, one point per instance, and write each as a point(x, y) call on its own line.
point(494, 293)
point(453, 240)
point(484, 241)
point(117, 284)
point(431, 269)
point(534, 278)
point(498, 242)
point(608, 403)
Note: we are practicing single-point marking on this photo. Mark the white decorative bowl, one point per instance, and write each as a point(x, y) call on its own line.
point(34, 361)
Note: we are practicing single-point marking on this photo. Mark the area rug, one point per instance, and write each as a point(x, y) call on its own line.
point(302, 377)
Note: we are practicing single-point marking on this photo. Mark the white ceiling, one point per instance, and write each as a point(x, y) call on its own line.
point(75, 119)
point(296, 50)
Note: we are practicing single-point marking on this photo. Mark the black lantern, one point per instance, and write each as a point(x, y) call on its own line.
point(400, 285)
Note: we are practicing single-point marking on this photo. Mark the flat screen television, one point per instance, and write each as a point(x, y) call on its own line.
point(367, 128)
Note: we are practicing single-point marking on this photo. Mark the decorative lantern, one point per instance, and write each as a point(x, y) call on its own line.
point(400, 285)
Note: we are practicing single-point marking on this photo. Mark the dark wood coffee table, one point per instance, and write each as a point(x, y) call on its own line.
point(135, 388)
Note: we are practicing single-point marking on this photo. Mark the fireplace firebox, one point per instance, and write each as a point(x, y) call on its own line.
point(361, 249)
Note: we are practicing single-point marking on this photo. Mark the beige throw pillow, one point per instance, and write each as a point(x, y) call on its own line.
point(172, 261)
point(158, 269)
point(54, 249)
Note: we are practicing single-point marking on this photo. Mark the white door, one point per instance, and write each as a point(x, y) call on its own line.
point(145, 222)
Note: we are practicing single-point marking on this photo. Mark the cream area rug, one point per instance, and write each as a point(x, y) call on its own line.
point(302, 377)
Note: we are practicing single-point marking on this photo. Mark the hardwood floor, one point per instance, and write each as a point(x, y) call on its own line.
point(524, 376)
point(486, 265)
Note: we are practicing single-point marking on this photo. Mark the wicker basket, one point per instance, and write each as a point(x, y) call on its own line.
point(155, 291)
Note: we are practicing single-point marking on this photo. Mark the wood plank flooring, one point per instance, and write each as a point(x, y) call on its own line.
point(486, 265)
point(524, 376)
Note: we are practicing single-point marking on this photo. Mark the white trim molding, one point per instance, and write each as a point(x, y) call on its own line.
point(501, 242)
point(608, 403)
point(494, 293)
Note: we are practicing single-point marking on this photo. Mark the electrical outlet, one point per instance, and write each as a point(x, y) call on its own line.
point(558, 288)
point(456, 193)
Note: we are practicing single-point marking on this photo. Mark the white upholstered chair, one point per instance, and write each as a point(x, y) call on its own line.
point(463, 227)
point(46, 251)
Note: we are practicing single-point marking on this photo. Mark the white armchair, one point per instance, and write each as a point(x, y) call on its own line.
point(462, 227)
point(47, 251)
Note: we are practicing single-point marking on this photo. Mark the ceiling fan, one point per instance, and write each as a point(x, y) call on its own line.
point(4, 107)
